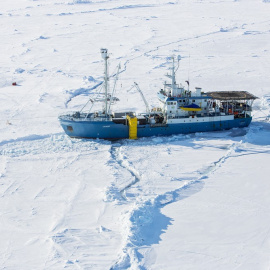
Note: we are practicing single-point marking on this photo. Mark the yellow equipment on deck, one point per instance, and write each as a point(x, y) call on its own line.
point(132, 122)
point(191, 109)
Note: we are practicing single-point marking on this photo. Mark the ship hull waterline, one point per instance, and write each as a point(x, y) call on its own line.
point(109, 130)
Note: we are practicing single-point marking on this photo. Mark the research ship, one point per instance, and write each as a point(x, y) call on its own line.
point(180, 111)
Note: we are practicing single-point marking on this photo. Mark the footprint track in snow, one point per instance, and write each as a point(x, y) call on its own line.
point(121, 187)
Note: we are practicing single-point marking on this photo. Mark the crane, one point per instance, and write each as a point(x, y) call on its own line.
point(144, 100)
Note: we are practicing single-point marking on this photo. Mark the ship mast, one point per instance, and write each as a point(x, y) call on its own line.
point(104, 55)
point(173, 77)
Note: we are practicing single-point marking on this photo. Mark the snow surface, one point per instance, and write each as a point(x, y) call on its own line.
point(199, 201)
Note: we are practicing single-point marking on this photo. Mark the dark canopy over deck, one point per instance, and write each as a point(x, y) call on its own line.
point(231, 95)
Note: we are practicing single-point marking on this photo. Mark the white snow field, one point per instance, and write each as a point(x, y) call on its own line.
point(187, 202)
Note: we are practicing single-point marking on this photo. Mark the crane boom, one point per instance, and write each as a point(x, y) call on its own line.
point(144, 100)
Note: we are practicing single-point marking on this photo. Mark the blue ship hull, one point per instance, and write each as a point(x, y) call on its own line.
point(113, 131)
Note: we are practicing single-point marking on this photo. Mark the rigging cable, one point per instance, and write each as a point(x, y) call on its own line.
point(90, 98)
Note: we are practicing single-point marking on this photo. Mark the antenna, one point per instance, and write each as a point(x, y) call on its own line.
point(188, 70)
point(178, 62)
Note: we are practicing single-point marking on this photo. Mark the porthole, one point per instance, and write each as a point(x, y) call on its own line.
point(70, 128)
